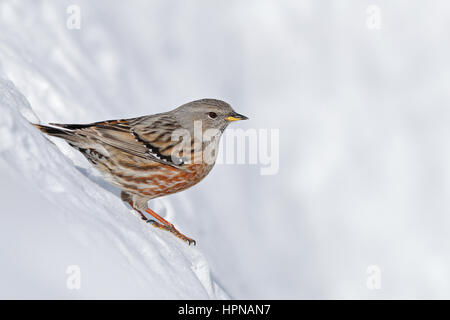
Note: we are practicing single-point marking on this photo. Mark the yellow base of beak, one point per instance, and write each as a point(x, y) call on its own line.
point(232, 119)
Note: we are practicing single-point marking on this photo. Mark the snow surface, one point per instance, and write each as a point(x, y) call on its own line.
point(363, 118)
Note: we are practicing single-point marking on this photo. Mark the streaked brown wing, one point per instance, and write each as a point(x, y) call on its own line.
point(148, 137)
point(157, 137)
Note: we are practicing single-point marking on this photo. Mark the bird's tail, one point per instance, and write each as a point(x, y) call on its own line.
point(56, 132)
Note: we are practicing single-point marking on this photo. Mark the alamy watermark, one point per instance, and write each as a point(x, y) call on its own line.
point(73, 281)
point(373, 20)
point(252, 146)
point(73, 21)
point(373, 281)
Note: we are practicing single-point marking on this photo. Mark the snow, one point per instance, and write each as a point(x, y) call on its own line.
point(363, 171)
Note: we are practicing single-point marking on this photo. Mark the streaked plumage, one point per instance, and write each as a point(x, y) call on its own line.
point(140, 155)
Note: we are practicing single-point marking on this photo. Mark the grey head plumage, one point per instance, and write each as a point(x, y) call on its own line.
point(213, 114)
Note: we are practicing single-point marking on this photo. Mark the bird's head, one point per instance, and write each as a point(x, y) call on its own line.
point(212, 113)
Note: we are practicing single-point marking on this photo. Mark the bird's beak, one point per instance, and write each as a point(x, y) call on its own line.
point(235, 116)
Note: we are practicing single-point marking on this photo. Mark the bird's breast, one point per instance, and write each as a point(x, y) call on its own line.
point(152, 179)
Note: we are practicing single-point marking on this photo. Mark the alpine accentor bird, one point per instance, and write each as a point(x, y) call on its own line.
point(152, 156)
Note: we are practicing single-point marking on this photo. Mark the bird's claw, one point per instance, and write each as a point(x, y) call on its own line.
point(173, 230)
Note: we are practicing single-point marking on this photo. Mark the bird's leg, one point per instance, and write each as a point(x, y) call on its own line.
point(143, 217)
point(166, 225)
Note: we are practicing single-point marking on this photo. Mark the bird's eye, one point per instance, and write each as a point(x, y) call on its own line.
point(212, 115)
